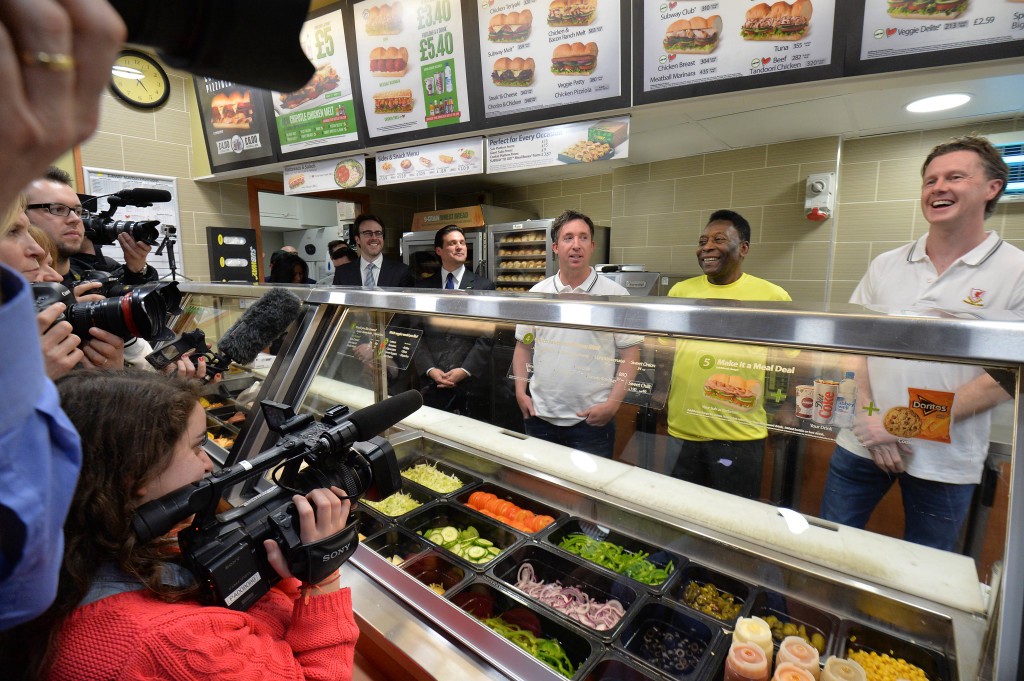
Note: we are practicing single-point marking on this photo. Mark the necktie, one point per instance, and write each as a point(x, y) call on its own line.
point(451, 281)
point(369, 276)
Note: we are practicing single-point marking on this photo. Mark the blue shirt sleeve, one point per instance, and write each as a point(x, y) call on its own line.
point(40, 457)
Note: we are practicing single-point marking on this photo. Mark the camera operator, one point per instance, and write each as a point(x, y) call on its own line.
point(125, 607)
point(54, 206)
point(62, 350)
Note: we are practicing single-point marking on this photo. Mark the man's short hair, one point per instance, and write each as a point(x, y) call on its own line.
point(738, 222)
point(366, 217)
point(55, 174)
point(568, 216)
point(342, 250)
point(991, 160)
point(445, 231)
point(334, 243)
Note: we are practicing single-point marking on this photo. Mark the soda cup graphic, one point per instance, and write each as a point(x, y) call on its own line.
point(804, 401)
point(824, 401)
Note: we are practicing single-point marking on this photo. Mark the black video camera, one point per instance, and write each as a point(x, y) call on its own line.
point(139, 312)
point(225, 552)
point(103, 230)
point(194, 341)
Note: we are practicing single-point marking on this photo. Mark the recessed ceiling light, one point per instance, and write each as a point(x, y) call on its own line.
point(937, 103)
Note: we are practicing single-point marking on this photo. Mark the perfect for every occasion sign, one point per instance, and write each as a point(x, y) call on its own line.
point(688, 42)
point(894, 28)
point(584, 142)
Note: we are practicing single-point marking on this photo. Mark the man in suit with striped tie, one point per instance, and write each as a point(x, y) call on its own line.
point(454, 364)
point(372, 268)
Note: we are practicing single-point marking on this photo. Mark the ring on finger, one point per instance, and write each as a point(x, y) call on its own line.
point(54, 61)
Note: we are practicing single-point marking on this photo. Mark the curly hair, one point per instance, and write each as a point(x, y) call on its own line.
point(129, 422)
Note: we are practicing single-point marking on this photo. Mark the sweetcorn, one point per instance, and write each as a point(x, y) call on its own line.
point(886, 668)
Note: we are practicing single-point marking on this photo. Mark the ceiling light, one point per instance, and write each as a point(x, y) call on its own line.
point(938, 103)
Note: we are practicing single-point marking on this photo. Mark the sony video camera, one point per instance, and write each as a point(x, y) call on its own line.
point(132, 312)
point(225, 551)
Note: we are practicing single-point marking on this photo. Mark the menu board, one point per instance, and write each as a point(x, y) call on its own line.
point(687, 42)
point(234, 121)
point(412, 66)
point(546, 53)
point(895, 28)
point(322, 176)
point(321, 112)
point(446, 159)
point(569, 144)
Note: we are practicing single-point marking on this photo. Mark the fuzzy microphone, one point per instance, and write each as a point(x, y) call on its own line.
point(259, 326)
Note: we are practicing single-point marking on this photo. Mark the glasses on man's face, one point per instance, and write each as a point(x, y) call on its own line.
point(366, 235)
point(57, 209)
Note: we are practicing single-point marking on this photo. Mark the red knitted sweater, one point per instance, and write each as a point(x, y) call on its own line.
point(135, 636)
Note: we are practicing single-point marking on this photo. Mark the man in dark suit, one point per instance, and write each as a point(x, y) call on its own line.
point(454, 363)
point(372, 268)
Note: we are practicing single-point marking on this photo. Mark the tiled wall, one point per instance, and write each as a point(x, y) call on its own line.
point(657, 210)
point(160, 143)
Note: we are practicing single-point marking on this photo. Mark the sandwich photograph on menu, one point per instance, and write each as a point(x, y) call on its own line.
point(696, 35)
point(574, 59)
point(324, 80)
point(393, 101)
point(571, 12)
point(231, 111)
point(926, 9)
point(517, 72)
point(513, 27)
point(781, 21)
point(390, 62)
point(384, 20)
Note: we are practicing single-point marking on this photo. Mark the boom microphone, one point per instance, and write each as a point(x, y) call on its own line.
point(259, 326)
point(376, 418)
point(141, 195)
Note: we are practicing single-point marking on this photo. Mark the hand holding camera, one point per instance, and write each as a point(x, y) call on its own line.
point(322, 514)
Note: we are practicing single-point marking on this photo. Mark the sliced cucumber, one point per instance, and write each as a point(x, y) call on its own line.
point(449, 534)
point(476, 552)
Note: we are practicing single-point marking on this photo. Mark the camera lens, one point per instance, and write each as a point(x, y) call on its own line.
point(104, 231)
point(141, 313)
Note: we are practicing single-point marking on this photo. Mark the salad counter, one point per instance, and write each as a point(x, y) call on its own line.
point(508, 557)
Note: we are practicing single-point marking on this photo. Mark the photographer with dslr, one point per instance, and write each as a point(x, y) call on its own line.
point(125, 608)
point(62, 350)
point(54, 206)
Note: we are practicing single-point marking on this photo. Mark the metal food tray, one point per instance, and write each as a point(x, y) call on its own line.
point(468, 480)
point(523, 502)
point(408, 487)
point(443, 514)
point(694, 572)
point(656, 622)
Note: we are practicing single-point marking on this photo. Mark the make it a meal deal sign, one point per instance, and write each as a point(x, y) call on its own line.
point(893, 28)
point(545, 53)
point(412, 66)
point(687, 42)
point(322, 111)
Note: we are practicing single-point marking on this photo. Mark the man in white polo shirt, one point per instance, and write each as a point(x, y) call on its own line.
point(959, 267)
point(579, 377)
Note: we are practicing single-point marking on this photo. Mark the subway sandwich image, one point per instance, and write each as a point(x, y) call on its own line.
point(389, 62)
point(231, 111)
point(296, 181)
point(384, 20)
point(781, 21)
point(393, 101)
point(516, 72)
point(927, 9)
point(736, 392)
point(696, 35)
point(571, 12)
point(574, 59)
point(513, 27)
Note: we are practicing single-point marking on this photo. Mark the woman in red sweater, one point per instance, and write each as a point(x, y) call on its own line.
point(127, 610)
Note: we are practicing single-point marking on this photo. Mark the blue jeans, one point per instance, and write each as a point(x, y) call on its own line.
point(732, 466)
point(935, 511)
point(596, 440)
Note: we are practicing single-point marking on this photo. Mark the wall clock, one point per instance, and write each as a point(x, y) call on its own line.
point(139, 79)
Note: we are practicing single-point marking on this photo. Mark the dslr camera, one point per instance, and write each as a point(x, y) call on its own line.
point(225, 551)
point(194, 341)
point(129, 311)
point(103, 230)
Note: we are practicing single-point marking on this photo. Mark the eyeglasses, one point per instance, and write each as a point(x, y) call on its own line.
point(378, 234)
point(57, 209)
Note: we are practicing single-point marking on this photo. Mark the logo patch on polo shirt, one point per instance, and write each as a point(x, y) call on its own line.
point(975, 297)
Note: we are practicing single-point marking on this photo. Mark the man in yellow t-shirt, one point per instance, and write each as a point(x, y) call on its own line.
point(716, 415)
